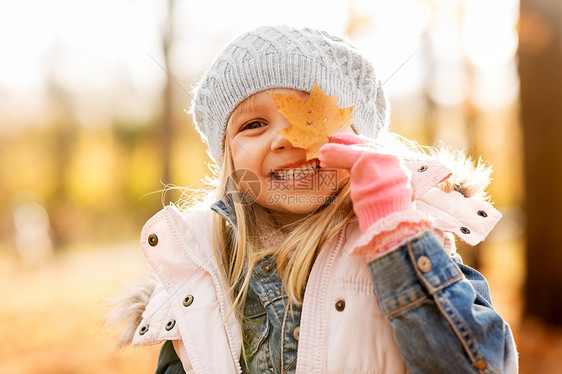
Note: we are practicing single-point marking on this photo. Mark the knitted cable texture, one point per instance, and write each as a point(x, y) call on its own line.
point(285, 57)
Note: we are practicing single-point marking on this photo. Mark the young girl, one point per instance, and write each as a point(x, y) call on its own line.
point(344, 263)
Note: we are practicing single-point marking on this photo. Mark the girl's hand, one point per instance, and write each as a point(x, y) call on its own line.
point(380, 183)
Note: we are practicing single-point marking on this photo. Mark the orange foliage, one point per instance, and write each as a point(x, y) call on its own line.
point(312, 121)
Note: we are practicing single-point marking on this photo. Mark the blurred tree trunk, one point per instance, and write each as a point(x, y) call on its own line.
point(61, 104)
point(540, 70)
point(167, 126)
point(472, 256)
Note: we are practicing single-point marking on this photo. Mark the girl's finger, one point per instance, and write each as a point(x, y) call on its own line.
point(348, 138)
point(338, 156)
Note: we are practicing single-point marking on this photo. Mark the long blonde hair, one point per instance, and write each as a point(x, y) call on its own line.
point(240, 249)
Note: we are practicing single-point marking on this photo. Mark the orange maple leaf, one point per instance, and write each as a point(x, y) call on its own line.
point(312, 121)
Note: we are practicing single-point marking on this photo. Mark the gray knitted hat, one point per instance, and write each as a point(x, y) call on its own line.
point(284, 57)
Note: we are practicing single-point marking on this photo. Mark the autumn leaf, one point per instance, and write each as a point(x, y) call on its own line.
point(311, 121)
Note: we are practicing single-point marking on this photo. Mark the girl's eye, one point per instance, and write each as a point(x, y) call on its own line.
point(252, 125)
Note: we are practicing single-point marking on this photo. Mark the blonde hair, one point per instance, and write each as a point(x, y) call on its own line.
point(240, 249)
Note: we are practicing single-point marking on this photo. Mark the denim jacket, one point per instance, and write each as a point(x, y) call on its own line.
point(414, 309)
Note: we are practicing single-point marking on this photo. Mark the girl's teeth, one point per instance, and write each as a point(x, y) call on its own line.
point(305, 170)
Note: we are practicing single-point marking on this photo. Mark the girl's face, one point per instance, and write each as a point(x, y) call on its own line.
point(267, 162)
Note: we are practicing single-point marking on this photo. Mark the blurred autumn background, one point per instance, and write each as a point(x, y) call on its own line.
point(93, 125)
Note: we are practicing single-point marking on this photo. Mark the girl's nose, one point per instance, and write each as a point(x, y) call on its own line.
point(279, 141)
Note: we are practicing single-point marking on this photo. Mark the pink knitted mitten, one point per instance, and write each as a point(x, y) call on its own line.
point(380, 184)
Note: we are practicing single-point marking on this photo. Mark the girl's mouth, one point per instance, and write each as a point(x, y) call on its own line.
point(307, 169)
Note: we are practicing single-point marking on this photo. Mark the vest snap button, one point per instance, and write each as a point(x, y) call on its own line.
point(465, 230)
point(143, 330)
point(188, 300)
point(482, 213)
point(424, 264)
point(422, 168)
point(152, 240)
point(170, 325)
point(340, 305)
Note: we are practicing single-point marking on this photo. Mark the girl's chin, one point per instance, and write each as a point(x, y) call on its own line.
point(290, 206)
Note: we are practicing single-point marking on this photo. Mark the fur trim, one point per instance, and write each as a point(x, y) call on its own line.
point(470, 178)
point(130, 305)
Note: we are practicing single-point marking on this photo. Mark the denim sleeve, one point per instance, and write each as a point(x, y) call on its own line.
point(441, 311)
point(168, 361)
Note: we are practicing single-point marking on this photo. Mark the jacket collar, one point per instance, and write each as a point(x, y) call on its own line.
point(225, 207)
